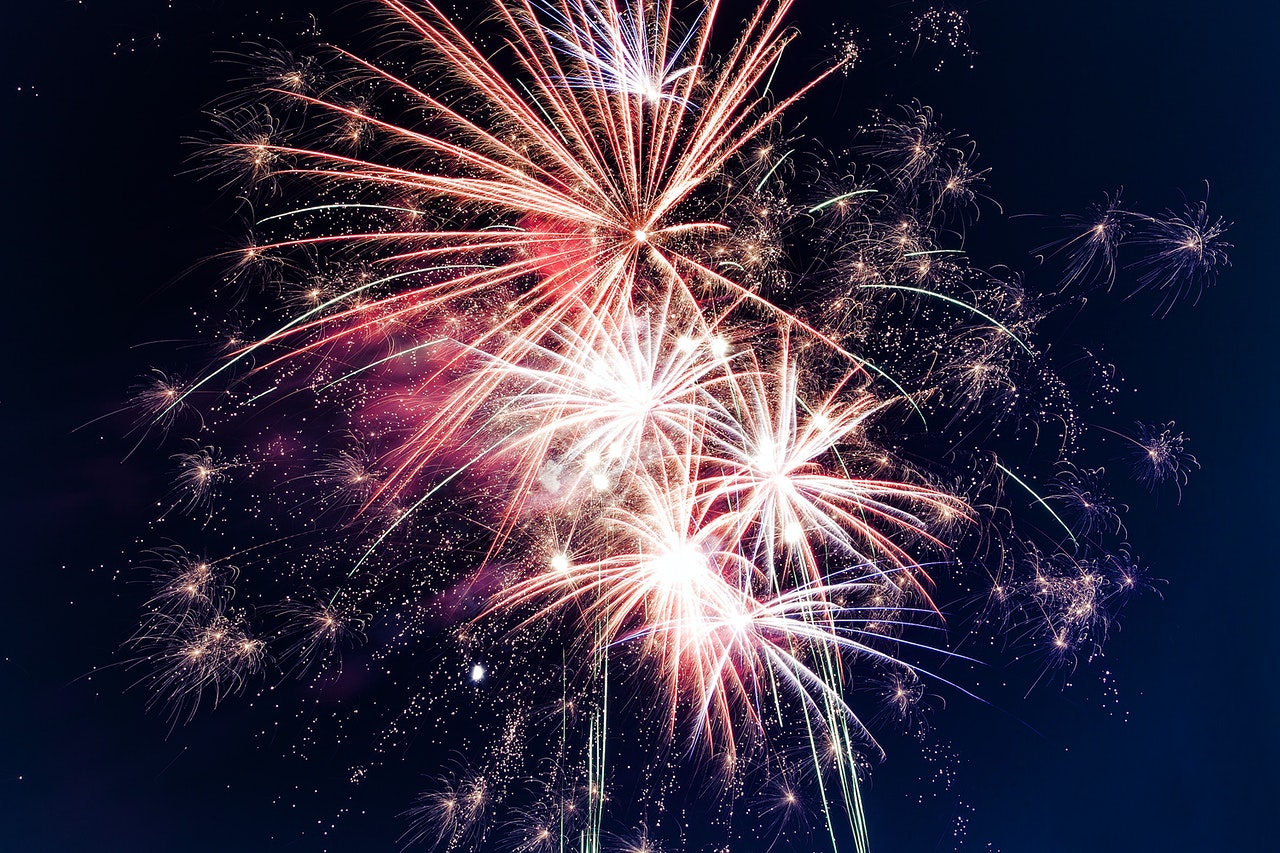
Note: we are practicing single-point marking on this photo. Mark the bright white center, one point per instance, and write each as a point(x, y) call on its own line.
point(679, 565)
point(766, 460)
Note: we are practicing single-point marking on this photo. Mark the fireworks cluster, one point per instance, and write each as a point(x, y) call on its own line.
point(587, 365)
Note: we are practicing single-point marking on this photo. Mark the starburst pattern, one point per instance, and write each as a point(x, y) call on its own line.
point(567, 395)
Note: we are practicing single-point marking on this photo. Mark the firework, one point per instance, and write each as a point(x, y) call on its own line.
point(1181, 252)
point(564, 391)
point(1159, 455)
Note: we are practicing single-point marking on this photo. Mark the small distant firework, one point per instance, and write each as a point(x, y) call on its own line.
point(157, 398)
point(200, 472)
point(1084, 499)
point(1181, 252)
point(453, 815)
point(1184, 252)
point(940, 27)
point(1159, 455)
point(195, 647)
point(546, 382)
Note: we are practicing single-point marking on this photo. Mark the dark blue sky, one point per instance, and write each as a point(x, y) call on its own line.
point(1065, 103)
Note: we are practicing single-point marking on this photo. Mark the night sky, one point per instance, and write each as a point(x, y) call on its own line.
point(1169, 742)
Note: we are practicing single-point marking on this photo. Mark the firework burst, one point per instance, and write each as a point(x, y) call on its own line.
point(588, 414)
